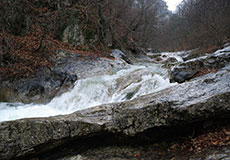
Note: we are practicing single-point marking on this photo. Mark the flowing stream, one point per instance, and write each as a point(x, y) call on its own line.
point(126, 84)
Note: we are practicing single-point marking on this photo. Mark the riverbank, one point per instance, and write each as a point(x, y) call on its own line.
point(142, 115)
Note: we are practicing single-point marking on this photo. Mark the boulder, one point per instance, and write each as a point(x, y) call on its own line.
point(188, 69)
point(156, 57)
point(171, 60)
point(218, 59)
point(190, 56)
point(204, 98)
point(48, 83)
point(40, 88)
point(118, 54)
point(185, 71)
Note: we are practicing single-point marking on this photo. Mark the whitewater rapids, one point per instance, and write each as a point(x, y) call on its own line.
point(126, 84)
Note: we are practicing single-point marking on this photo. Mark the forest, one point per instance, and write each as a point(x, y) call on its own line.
point(30, 29)
point(196, 24)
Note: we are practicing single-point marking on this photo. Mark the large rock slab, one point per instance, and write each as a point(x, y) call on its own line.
point(205, 97)
point(188, 69)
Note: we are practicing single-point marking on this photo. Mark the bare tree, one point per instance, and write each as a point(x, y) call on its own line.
point(197, 23)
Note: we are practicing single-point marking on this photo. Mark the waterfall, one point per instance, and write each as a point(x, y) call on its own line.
point(126, 84)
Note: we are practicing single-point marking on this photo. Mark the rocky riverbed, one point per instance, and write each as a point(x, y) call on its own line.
point(118, 130)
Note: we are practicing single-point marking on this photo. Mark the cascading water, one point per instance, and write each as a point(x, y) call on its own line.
point(176, 55)
point(134, 81)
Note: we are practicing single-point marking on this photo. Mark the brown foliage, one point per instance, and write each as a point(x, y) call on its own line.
point(209, 138)
point(31, 30)
point(26, 50)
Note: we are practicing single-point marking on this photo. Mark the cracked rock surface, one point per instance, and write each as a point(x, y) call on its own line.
point(204, 97)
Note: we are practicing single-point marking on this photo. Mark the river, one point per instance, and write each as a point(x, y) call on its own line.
point(126, 84)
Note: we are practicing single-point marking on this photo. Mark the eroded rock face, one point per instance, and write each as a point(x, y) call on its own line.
point(73, 35)
point(190, 68)
point(39, 88)
point(48, 83)
point(205, 97)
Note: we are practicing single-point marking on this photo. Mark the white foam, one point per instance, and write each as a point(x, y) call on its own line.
point(126, 84)
point(176, 55)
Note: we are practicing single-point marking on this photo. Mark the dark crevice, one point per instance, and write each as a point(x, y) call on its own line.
point(74, 146)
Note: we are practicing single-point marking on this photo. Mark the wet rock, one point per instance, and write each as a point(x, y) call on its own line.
point(134, 77)
point(190, 56)
point(189, 69)
point(168, 59)
point(185, 71)
point(118, 54)
point(204, 98)
point(218, 59)
point(40, 88)
point(155, 56)
point(171, 60)
point(85, 67)
point(48, 83)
